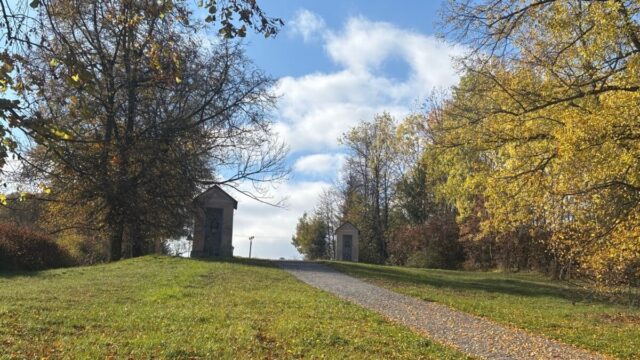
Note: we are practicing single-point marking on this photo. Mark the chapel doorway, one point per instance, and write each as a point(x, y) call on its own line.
point(213, 231)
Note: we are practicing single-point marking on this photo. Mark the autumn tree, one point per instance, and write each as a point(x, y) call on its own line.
point(549, 106)
point(424, 231)
point(20, 25)
point(311, 237)
point(328, 210)
point(132, 115)
point(371, 170)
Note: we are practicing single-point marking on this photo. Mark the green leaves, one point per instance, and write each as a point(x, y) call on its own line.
point(311, 237)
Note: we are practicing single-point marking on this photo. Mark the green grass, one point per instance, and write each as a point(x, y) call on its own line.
point(161, 307)
point(529, 301)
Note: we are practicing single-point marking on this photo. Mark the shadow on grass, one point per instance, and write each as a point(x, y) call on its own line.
point(465, 281)
point(236, 260)
point(11, 274)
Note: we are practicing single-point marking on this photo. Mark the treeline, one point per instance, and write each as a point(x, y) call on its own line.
point(531, 162)
point(387, 192)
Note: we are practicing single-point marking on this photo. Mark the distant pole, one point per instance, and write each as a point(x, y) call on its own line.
point(250, 245)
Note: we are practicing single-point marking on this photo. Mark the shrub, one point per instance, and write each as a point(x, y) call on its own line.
point(429, 258)
point(25, 249)
point(433, 244)
point(85, 248)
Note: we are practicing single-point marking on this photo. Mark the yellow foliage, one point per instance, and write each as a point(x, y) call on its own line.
point(550, 138)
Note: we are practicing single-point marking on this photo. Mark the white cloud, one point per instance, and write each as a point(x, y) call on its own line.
point(11, 168)
point(318, 164)
point(273, 227)
point(12, 164)
point(315, 109)
point(307, 24)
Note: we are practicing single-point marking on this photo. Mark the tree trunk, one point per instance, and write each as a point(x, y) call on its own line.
point(137, 242)
point(115, 242)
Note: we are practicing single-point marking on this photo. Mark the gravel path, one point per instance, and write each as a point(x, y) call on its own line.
point(470, 334)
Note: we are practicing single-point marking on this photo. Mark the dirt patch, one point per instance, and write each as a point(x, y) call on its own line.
point(621, 318)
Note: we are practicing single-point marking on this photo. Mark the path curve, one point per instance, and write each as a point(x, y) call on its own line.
point(470, 334)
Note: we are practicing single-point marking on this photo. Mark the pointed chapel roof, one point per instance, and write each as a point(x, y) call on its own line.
point(347, 223)
point(218, 189)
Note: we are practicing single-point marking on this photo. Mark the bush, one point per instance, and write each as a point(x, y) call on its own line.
point(433, 244)
point(85, 248)
point(25, 249)
point(429, 258)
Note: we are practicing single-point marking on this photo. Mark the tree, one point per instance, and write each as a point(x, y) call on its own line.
point(425, 232)
point(22, 22)
point(547, 105)
point(328, 211)
point(371, 169)
point(133, 116)
point(311, 237)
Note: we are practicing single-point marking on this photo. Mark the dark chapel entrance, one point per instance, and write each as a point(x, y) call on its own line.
point(347, 242)
point(213, 231)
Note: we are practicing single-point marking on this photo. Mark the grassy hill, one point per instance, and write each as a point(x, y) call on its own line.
point(166, 307)
point(555, 309)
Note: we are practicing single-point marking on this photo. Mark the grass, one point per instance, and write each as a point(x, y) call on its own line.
point(529, 301)
point(162, 307)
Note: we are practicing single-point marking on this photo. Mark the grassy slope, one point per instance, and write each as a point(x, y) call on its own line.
point(178, 308)
point(528, 301)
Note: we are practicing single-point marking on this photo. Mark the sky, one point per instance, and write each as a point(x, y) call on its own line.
point(337, 63)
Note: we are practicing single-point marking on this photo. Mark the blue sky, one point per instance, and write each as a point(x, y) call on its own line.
point(337, 63)
point(286, 55)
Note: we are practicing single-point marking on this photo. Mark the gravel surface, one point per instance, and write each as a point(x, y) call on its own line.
point(470, 334)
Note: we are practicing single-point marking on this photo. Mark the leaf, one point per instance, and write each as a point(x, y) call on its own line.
point(35, 3)
point(242, 32)
point(76, 77)
point(178, 80)
point(53, 62)
point(61, 134)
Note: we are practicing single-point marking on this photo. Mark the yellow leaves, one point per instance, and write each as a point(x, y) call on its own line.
point(61, 134)
point(75, 78)
point(591, 144)
point(20, 86)
point(3, 199)
point(53, 63)
point(178, 80)
point(44, 188)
